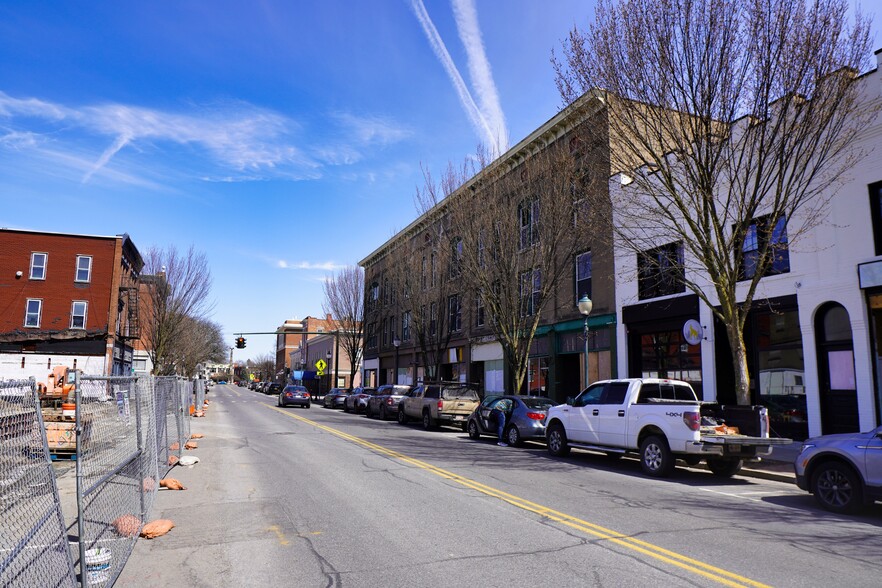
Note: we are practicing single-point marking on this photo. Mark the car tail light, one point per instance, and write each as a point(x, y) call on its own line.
point(306, 394)
point(289, 394)
point(440, 405)
point(390, 402)
point(536, 416)
point(692, 420)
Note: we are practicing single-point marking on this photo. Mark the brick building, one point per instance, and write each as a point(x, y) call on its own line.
point(67, 299)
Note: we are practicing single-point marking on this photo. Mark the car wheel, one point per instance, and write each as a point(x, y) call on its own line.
point(345, 407)
point(557, 441)
point(472, 430)
point(724, 467)
point(655, 457)
point(382, 412)
point(428, 423)
point(513, 436)
point(279, 401)
point(308, 404)
point(837, 488)
point(402, 418)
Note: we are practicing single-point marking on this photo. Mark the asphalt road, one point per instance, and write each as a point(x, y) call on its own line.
point(294, 497)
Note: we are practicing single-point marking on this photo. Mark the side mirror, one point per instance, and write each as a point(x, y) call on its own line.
point(570, 400)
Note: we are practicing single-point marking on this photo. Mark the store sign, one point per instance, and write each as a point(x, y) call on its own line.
point(693, 332)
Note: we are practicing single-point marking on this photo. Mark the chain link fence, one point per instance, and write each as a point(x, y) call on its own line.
point(33, 541)
point(122, 433)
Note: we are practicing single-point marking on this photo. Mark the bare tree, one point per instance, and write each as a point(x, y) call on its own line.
point(516, 225)
point(200, 341)
point(263, 366)
point(734, 120)
point(176, 288)
point(344, 300)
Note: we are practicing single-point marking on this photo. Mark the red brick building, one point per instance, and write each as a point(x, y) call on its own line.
point(67, 299)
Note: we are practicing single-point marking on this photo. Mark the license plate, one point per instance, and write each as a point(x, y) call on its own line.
point(459, 418)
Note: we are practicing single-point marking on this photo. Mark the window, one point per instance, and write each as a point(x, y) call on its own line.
point(78, 314)
point(660, 271)
point(876, 214)
point(33, 310)
point(374, 294)
point(405, 326)
point(433, 318)
point(760, 237)
point(479, 309)
point(480, 254)
point(84, 268)
point(530, 287)
point(454, 313)
point(385, 332)
point(386, 291)
point(423, 274)
point(392, 329)
point(434, 276)
point(583, 275)
point(455, 258)
point(38, 266)
point(372, 336)
point(528, 213)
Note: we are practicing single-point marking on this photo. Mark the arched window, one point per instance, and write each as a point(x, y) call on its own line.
point(836, 373)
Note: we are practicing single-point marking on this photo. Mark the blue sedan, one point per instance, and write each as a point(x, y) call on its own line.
point(524, 418)
point(295, 395)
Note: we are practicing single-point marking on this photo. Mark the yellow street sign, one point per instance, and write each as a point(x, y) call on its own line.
point(320, 373)
point(320, 365)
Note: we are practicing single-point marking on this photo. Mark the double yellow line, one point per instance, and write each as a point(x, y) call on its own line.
point(688, 564)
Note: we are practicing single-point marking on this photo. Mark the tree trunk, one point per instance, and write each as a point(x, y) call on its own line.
point(739, 364)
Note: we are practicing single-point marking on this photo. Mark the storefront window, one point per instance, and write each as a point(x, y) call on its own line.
point(537, 376)
point(666, 354)
point(781, 373)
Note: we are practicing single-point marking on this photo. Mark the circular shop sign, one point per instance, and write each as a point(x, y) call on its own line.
point(693, 332)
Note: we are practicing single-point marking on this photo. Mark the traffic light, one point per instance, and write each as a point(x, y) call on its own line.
point(240, 342)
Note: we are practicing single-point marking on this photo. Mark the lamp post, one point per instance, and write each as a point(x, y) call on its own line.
point(585, 306)
point(328, 356)
point(397, 343)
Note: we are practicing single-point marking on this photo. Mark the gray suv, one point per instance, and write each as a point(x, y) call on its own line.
point(844, 471)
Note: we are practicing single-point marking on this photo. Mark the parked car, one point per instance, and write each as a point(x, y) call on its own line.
point(337, 399)
point(357, 401)
point(384, 403)
point(328, 398)
point(843, 471)
point(272, 388)
point(661, 421)
point(444, 403)
point(296, 395)
point(524, 418)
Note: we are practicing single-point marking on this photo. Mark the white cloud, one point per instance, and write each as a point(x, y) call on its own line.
point(488, 120)
point(479, 71)
point(254, 143)
point(328, 266)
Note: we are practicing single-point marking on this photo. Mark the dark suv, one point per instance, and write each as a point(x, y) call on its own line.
point(843, 471)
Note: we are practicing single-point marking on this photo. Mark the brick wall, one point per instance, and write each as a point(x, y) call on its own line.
point(59, 289)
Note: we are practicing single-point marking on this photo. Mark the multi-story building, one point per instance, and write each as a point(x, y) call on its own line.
point(293, 340)
point(814, 331)
point(558, 364)
point(67, 299)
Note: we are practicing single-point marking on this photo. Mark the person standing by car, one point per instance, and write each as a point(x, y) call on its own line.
point(498, 414)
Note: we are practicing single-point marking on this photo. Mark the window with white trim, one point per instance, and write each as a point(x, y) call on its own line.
point(33, 311)
point(583, 275)
point(38, 266)
point(78, 311)
point(84, 268)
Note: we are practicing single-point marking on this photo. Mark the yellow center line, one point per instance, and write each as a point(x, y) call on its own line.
point(670, 557)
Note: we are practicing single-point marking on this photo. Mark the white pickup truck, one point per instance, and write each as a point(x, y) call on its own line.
point(661, 421)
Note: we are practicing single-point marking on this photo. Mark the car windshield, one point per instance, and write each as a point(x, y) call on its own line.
point(459, 394)
point(538, 402)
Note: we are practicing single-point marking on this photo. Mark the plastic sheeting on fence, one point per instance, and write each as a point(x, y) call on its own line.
point(33, 543)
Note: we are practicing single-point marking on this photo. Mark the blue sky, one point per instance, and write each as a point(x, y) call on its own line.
point(283, 139)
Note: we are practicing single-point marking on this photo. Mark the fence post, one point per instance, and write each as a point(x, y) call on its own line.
point(136, 392)
point(78, 428)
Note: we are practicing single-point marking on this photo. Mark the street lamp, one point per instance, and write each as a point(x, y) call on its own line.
point(585, 307)
point(328, 356)
point(397, 343)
